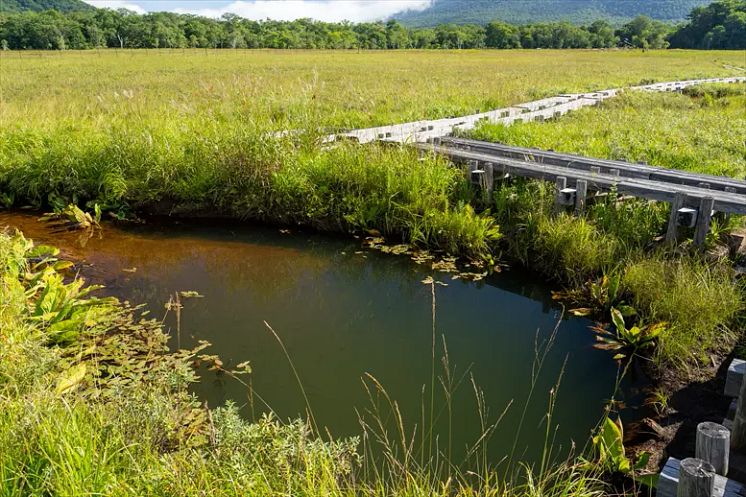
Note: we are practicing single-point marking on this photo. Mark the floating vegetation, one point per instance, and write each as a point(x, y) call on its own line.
point(190, 294)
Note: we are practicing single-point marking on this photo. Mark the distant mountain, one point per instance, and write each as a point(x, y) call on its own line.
point(38, 5)
point(530, 11)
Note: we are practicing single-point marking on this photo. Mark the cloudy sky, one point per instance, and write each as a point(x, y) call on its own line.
point(323, 10)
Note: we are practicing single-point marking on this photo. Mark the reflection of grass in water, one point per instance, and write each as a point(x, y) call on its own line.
point(409, 459)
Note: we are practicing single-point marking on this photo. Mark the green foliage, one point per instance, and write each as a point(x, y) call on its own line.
point(467, 11)
point(627, 341)
point(643, 32)
point(697, 300)
point(39, 5)
point(597, 297)
point(720, 25)
point(573, 249)
point(608, 445)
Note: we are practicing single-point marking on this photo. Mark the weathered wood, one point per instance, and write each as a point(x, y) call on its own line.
point(696, 478)
point(560, 183)
point(595, 170)
point(626, 169)
point(713, 446)
point(488, 180)
point(734, 378)
point(726, 215)
point(638, 187)
point(669, 480)
point(582, 191)
point(673, 220)
point(738, 432)
point(704, 216)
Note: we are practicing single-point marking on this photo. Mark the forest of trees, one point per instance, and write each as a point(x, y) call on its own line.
point(721, 25)
point(533, 11)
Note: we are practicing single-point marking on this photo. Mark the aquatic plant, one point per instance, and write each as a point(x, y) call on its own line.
point(627, 341)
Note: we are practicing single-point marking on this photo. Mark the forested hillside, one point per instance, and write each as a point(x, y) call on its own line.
point(721, 25)
point(518, 11)
point(39, 5)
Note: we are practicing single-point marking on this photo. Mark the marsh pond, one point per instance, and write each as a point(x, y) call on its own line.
point(347, 315)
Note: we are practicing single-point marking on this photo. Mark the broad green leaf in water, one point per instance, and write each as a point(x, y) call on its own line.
point(62, 265)
point(43, 251)
point(70, 378)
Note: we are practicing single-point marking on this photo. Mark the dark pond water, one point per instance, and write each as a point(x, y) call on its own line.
point(343, 313)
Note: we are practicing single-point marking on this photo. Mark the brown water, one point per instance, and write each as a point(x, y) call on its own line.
point(343, 313)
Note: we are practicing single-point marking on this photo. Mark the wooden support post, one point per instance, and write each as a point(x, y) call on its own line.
point(704, 216)
point(488, 179)
point(738, 434)
point(726, 216)
point(673, 220)
point(696, 478)
point(582, 191)
point(713, 446)
point(595, 170)
point(559, 185)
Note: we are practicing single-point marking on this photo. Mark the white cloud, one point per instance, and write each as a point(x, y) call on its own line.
point(322, 10)
point(115, 5)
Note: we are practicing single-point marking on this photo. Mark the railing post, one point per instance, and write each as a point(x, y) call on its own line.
point(704, 216)
point(559, 185)
point(696, 478)
point(738, 434)
point(582, 191)
point(713, 446)
point(673, 220)
point(488, 180)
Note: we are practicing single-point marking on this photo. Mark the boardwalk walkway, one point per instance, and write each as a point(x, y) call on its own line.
point(694, 198)
point(548, 108)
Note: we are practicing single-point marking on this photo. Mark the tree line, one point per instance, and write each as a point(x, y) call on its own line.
point(720, 25)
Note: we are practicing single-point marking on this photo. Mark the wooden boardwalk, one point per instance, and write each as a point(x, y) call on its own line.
point(694, 198)
point(539, 110)
point(625, 169)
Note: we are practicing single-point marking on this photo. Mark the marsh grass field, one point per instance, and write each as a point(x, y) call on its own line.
point(193, 133)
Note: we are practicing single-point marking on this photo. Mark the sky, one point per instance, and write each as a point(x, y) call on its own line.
point(322, 10)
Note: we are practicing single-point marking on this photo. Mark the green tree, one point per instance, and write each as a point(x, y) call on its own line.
point(502, 35)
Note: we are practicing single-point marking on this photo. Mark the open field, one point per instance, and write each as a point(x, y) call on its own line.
point(291, 89)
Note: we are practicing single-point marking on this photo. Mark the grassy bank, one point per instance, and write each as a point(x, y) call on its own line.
point(696, 295)
point(79, 416)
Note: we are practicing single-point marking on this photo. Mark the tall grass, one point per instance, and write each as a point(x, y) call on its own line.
point(700, 131)
point(698, 301)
